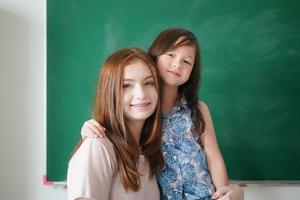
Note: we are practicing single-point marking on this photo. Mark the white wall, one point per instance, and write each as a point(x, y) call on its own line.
point(22, 108)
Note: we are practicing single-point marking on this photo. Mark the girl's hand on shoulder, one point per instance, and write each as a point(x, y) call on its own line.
point(230, 192)
point(92, 129)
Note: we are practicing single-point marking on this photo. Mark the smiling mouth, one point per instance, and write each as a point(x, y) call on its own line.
point(140, 105)
point(174, 73)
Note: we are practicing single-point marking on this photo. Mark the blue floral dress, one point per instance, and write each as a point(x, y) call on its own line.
point(186, 174)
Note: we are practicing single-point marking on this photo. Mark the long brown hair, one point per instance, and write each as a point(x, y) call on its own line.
point(108, 111)
point(167, 40)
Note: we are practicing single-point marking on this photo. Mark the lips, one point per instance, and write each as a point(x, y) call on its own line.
point(140, 105)
point(174, 73)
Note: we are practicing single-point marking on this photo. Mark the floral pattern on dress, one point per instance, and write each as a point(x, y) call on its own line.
point(186, 174)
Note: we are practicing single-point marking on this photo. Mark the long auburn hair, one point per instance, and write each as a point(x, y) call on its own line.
point(108, 111)
point(167, 40)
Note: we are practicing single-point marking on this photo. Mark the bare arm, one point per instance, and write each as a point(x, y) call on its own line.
point(213, 154)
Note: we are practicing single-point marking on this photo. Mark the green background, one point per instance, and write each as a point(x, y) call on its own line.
point(250, 56)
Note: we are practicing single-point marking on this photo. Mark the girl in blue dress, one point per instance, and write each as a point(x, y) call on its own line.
point(194, 167)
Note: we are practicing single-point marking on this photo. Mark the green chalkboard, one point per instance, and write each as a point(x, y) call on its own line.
point(251, 73)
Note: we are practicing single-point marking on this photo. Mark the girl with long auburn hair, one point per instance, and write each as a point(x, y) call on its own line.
point(194, 166)
point(123, 164)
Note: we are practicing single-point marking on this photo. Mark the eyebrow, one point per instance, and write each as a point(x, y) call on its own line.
point(135, 80)
point(191, 57)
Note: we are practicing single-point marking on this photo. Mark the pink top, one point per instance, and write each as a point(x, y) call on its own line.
point(93, 174)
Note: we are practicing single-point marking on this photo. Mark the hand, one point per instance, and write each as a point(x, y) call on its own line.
point(230, 192)
point(92, 129)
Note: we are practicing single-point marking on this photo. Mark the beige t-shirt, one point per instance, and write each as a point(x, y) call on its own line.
point(92, 174)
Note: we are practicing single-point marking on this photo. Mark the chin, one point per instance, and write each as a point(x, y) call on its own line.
point(173, 83)
point(142, 117)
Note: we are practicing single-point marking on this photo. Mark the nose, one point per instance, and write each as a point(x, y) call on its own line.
point(176, 63)
point(140, 92)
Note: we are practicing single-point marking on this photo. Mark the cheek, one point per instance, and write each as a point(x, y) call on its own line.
point(155, 96)
point(160, 71)
point(161, 66)
point(126, 98)
point(187, 73)
point(161, 63)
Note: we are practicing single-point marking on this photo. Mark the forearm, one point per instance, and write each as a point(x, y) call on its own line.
point(213, 154)
point(217, 170)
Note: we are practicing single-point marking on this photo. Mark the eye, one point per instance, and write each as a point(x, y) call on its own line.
point(125, 86)
point(187, 62)
point(149, 83)
point(169, 54)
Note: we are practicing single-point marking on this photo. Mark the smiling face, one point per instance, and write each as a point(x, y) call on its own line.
point(139, 92)
point(175, 65)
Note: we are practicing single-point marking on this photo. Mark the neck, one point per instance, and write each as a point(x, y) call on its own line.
point(135, 128)
point(170, 98)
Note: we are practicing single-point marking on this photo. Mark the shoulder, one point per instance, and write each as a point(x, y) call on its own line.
point(205, 112)
point(92, 166)
point(98, 150)
point(203, 108)
point(99, 144)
